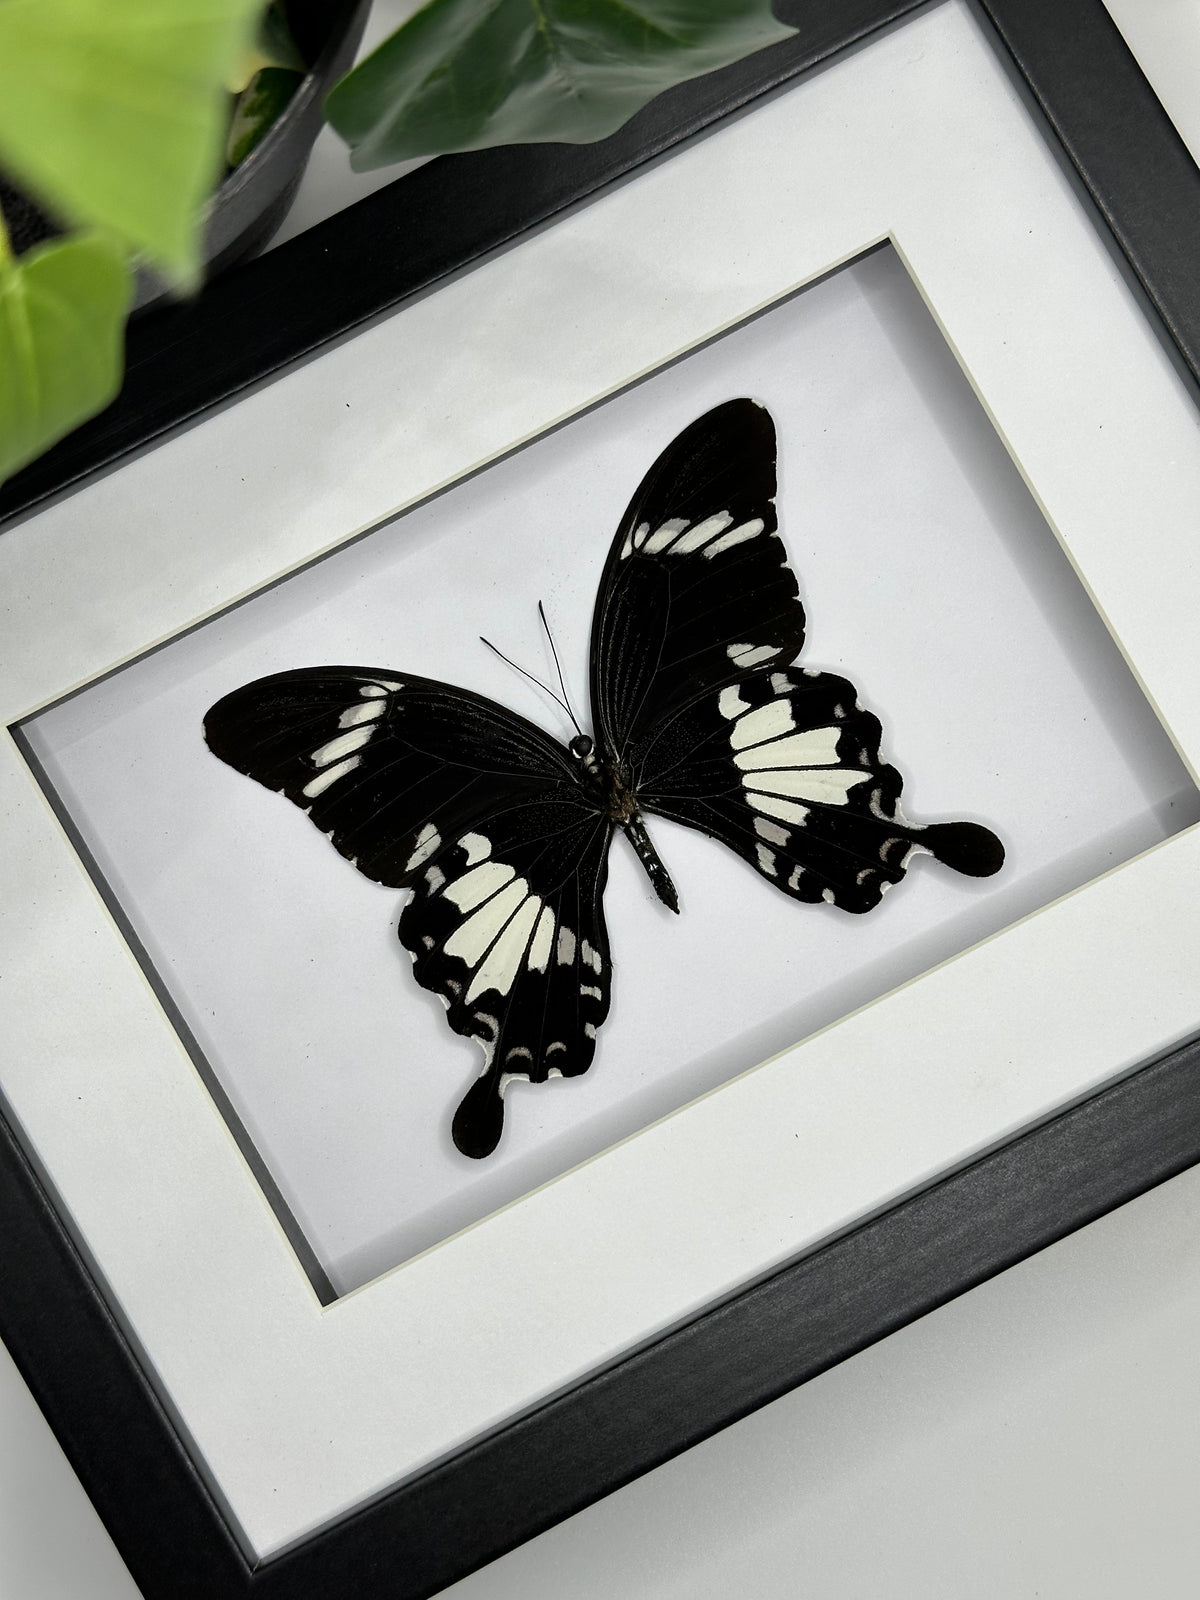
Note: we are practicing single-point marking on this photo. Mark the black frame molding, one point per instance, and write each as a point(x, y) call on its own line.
point(252, 325)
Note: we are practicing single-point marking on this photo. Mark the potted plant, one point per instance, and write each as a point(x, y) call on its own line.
point(115, 115)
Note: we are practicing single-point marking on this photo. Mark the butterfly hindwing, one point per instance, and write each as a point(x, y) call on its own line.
point(506, 925)
point(784, 767)
point(429, 787)
point(387, 765)
point(696, 590)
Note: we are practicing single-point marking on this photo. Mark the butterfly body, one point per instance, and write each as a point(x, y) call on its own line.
point(701, 716)
point(608, 783)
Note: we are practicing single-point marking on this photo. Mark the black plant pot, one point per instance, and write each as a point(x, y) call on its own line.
point(253, 200)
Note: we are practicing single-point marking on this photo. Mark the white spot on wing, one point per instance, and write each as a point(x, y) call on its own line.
point(815, 747)
point(592, 957)
point(768, 722)
point(730, 704)
point(539, 949)
point(662, 536)
point(780, 683)
point(745, 655)
point(738, 535)
point(435, 878)
point(472, 939)
point(766, 861)
point(504, 959)
point(699, 536)
point(787, 810)
point(475, 886)
point(566, 947)
point(771, 832)
point(321, 782)
point(895, 815)
point(345, 744)
point(427, 842)
point(829, 897)
point(822, 787)
point(370, 711)
point(477, 847)
point(590, 992)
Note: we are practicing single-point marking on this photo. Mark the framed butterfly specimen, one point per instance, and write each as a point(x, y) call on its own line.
point(701, 716)
point(748, 1206)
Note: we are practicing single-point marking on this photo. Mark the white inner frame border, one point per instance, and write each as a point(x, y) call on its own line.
point(297, 1413)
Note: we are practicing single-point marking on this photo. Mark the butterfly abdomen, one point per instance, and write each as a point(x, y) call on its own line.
point(635, 832)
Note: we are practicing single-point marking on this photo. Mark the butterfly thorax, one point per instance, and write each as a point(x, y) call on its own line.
point(608, 784)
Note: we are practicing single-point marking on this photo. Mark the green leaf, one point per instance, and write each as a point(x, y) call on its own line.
point(272, 46)
point(263, 99)
point(112, 112)
point(465, 74)
point(62, 316)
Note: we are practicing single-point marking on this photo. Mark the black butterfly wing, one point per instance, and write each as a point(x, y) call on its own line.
point(784, 767)
point(387, 765)
point(507, 926)
point(696, 591)
point(426, 786)
point(696, 622)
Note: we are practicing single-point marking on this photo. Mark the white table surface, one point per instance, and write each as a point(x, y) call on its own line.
point(1037, 1439)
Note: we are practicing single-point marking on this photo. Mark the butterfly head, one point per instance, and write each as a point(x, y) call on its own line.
point(599, 779)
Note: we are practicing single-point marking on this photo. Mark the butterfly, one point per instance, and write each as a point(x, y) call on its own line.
point(502, 834)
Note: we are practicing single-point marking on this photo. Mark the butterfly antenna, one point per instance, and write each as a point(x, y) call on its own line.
point(545, 687)
point(558, 667)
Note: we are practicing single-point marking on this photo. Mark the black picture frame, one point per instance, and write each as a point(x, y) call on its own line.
point(659, 1401)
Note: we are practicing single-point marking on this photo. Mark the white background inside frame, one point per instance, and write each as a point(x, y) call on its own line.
point(930, 579)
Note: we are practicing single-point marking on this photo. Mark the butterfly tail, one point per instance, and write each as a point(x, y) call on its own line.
point(479, 1120)
point(966, 847)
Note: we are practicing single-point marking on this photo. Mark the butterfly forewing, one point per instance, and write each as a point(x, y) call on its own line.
point(696, 590)
point(389, 766)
